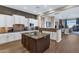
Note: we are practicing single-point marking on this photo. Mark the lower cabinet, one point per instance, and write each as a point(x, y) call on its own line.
point(55, 35)
point(9, 37)
point(66, 31)
point(3, 38)
point(35, 45)
point(17, 36)
point(59, 36)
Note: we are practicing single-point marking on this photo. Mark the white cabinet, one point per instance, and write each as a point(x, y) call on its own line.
point(9, 21)
point(55, 35)
point(33, 21)
point(3, 38)
point(59, 35)
point(26, 22)
point(16, 19)
point(6, 20)
point(19, 19)
point(66, 31)
point(17, 36)
point(36, 23)
point(22, 19)
point(2, 20)
point(9, 37)
point(48, 33)
point(14, 36)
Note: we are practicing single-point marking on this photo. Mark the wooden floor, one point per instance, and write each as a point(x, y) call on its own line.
point(69, 44)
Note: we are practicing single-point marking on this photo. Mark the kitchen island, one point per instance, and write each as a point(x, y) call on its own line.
point(36, 42)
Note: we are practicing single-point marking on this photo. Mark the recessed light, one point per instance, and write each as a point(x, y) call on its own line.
point(50, 9)
point(35, 11)
point(25, 7)
point(37, 7)
point(40, 13)
point(45, 6)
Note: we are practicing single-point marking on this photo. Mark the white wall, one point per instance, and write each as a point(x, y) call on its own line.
point(49, 19)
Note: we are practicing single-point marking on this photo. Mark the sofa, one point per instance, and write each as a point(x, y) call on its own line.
point(75, 28)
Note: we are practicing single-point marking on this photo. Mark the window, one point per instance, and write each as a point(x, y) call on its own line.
point(48, 24)
point(71, 23)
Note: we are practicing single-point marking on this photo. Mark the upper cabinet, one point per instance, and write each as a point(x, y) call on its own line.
point(26, 22)
point(19, 19)
point(2, 20)
point(22, 19)
point(16, 19)
point(9, 21)
point(34, 22)
point(6, 20)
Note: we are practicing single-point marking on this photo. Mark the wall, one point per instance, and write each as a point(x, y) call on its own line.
point(43, 19)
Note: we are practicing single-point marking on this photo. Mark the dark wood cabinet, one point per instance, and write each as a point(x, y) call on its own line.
point(36, 45)
point(25, 41)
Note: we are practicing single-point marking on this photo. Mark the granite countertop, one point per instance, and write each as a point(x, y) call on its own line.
point(49, 29)
point(16, 31)
point(35, 35)
point(10, 32)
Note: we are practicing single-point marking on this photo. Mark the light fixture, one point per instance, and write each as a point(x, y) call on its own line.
point(50, 9)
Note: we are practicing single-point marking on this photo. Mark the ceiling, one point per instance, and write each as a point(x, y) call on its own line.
point(60, 11)
point(34, 9)
point(69, 13)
